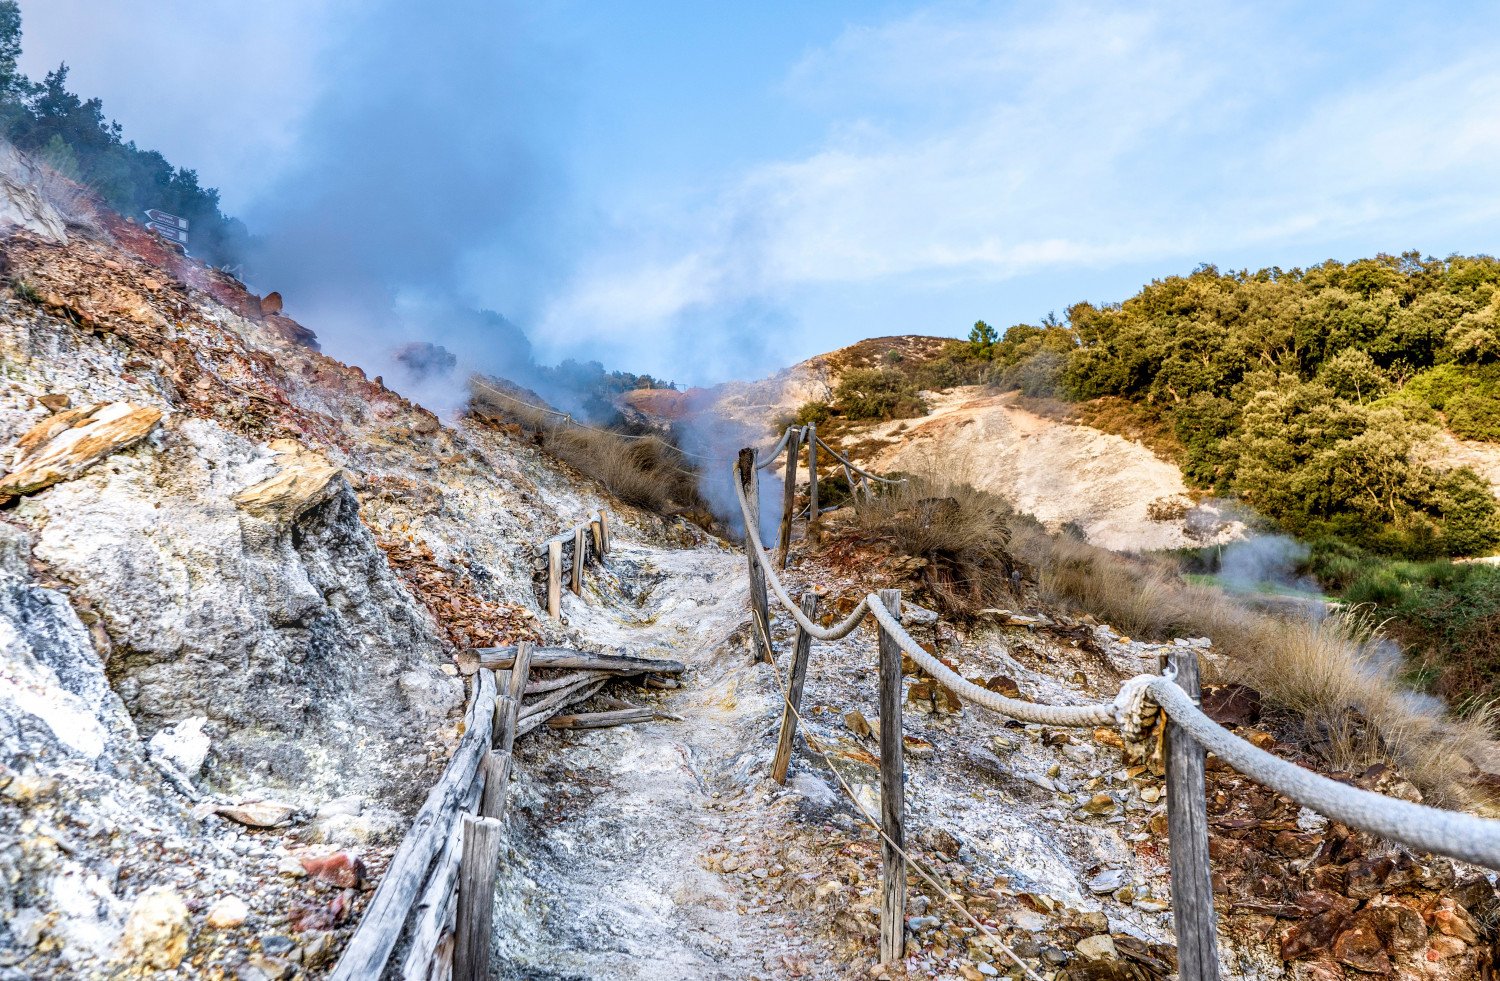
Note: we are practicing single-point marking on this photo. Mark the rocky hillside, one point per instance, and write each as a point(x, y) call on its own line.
point(233, 572)
point(1116, 491)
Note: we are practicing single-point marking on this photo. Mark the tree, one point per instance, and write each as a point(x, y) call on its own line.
point(982, 339)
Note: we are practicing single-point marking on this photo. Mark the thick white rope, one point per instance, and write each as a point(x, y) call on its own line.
point(774, 453)
point(1461, 836)
point(1052, 715)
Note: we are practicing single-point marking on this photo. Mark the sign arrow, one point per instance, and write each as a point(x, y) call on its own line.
point(164, 219)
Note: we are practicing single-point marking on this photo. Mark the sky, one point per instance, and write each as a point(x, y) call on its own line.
point(705, 191)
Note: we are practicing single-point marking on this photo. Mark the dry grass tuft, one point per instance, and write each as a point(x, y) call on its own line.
point(1333, 677)
point(962, 533)
point(646, 471)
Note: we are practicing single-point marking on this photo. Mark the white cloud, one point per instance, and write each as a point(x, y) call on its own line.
point(972, 144)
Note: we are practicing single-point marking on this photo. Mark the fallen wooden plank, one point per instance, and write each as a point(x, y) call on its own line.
point(433, 914)
point(540, 686)
point(601, 720)
point(501, 658)
point(370, 947)
point(538, 719)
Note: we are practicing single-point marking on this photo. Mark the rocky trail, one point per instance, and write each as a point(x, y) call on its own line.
point(610, 827)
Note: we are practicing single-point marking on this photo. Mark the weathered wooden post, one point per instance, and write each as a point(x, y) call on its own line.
point(596, 527)
point(554, 578)
point(1187, 832)
point(498, 762)
point(476, 898)
point(760, 612)
point(812, 472)
point(603, 532)
point(892, 793)
point(800, 652)
point(580, 549)
point(788, 496)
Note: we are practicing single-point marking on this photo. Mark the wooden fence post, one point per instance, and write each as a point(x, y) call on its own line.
point(812, 471)
point(788, 496)
point(800, 653)
point(597, 528)
point(476, 898)
point(603, 532)
point(892, 793)
point(580, 549)
point(554, 579)
point(1187, 831)
point(760, 612)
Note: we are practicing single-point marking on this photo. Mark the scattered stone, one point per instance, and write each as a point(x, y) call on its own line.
point(228, 913)
point(183, 744)
point(55, 401)
point(292, 866)
point(317, 949)
point(257, 814)
point(1003, 742)
point(276, 945)
point(343, 870)
point(1099, 804)
point(1360, 948)
point(1107, 881)
point(1098, 948)
point(156, 931)
point(258, 967)
point(351, 806)
point(856, 723)
point(1453, 920)
point(304, 481)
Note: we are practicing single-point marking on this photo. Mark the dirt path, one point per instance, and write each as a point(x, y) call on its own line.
point(606, 879)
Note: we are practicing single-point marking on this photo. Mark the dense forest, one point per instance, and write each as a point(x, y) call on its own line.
point(73, 137)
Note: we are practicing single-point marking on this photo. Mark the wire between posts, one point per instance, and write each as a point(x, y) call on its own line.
point(1460, 836)
point(857, 468)
point(949, 896)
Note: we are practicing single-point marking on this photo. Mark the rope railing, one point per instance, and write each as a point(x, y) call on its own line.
point(857, 468)
point(1449, 833)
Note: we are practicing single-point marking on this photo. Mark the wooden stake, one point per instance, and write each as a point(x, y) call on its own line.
point(496, 771)
point(601, 720)
point(603, 532)
point(892, 793)
point(788, 497)
point(596, 527)
point(579, 550)
point(515, 685)
point(476, 898)
point(760, 612)
point(812, 472)
point(1187, 831)
point(554, 579)
point(800, 652)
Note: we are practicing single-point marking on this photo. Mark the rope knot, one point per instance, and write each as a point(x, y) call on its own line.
point(1135, 713)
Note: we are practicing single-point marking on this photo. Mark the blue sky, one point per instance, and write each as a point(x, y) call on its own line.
point(709, 190)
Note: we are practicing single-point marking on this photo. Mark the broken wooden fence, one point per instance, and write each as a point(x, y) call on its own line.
point(563, 556)
point(1189, 735)
point(435, 900)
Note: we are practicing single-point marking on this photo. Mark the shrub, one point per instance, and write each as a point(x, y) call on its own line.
point(813, 413)
point(1038, 375)
point(878, 394)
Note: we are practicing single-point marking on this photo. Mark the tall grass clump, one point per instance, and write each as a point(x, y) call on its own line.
point(962, 533)
point(1335, 678)
point(644, 470)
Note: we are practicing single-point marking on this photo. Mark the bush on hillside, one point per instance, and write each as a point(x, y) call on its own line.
point(1310, 393)
point(878, 394)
